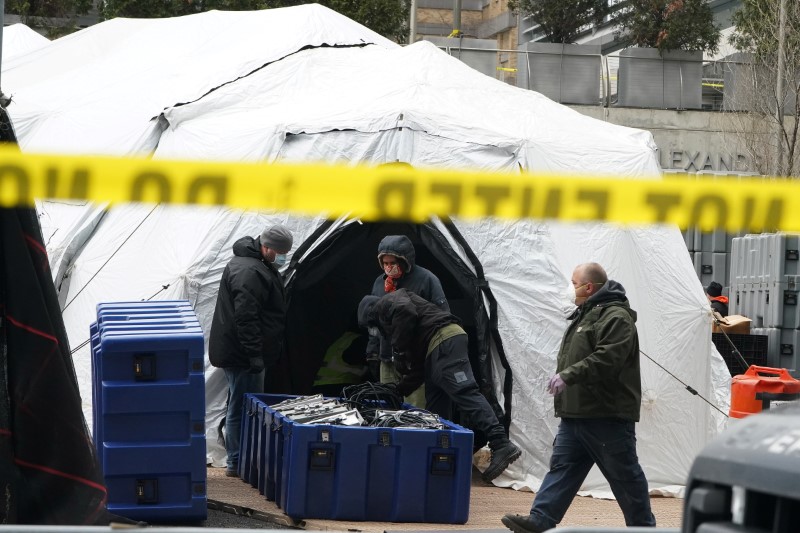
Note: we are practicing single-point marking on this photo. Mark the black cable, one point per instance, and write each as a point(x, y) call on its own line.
point(162, 289)
point(369, 398)
point(688, 387)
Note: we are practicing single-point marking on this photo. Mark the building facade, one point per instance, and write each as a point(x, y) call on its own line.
point(679, 97)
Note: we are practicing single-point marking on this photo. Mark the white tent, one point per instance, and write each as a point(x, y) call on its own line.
point(289, 98)
point(19, 39)
point(100, 90)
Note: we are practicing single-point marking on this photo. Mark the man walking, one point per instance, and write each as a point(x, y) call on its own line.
point(429, 346)
point(597, 395)
point(248, 326)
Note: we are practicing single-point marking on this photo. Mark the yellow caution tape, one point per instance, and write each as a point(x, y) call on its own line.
point(506, 69)
point(403, 192)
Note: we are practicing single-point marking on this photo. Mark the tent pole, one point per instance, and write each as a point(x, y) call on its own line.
point(456, 18)
point(2, 24)
point(412, 37)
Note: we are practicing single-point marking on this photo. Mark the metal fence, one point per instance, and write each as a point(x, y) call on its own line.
point(579, 75)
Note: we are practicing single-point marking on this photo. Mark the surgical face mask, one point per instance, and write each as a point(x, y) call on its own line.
point(570, 294)
point(280, 260)
point(579, 300)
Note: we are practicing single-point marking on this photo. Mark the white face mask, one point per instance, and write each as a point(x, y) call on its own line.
point(280, 260)
point(570, 294)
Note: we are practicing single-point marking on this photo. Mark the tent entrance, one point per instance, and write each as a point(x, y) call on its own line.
point(336, 267)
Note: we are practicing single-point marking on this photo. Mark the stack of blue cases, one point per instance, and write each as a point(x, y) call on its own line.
point(148, 406)
point(382, 474)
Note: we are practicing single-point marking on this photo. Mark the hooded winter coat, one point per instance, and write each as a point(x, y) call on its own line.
point(415, 278)
point(599, 359)
point(719, 304)
point(250, 314)
point(409, 323)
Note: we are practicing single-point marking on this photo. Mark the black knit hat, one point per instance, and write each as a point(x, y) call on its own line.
point(714, 289)
point(277, 237)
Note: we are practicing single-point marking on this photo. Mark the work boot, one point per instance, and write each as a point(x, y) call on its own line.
point(232, 471)
point(522, 524)
point(504, 452)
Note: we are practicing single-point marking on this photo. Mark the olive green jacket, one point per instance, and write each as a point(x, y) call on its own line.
point(599, 359)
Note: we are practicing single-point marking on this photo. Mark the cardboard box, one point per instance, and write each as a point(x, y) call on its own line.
point(731, 324)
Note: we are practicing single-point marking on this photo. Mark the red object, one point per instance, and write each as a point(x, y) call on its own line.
point(748, 389)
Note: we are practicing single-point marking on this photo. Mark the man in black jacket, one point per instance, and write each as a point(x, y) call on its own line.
point(248, 325)
point(719, 303)
point(429, 346)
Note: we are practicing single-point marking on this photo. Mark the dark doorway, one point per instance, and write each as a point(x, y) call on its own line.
point(334, 268)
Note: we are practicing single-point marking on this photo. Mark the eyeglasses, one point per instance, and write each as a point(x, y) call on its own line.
point(580, 286)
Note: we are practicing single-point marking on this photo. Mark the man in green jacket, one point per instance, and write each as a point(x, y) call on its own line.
point(597, 395)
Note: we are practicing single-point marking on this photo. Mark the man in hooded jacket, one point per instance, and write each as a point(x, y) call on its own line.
point(429, 346)
point(719, 303)
point(248, 327)
point(397, 259)
point(597, 394)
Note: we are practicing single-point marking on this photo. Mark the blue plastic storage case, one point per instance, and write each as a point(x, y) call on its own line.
point(149, 409)
point(361, 473)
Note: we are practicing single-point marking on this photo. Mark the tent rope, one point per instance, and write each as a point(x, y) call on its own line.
point(687, 387)
point(84, 343)
point(159, 291)
point(110, 257)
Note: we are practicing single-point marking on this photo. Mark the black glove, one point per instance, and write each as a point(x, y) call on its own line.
point(391, 388)
point(256, 365)
point(400, 363)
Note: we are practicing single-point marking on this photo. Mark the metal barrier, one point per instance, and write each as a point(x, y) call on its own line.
point(608, 82)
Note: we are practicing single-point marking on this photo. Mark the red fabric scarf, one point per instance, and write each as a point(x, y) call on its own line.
point(388, 284)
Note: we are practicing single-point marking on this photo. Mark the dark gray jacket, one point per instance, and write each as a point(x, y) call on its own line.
point(599, 359)
point(416, 279)
point(410, 323)
point(250, 315)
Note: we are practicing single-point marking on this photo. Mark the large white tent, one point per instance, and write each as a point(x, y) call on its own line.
point(306, 84)
point(19, 39)
point(100, 90)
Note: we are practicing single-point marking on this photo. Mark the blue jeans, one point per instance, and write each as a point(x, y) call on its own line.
point(580, 443)
point(240, 382)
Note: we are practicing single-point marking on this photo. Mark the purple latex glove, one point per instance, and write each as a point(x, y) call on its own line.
point(556, 385)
